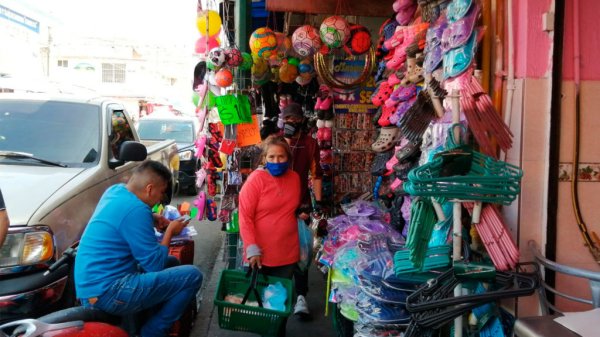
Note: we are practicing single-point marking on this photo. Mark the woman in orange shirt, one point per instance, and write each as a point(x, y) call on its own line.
point(268, 203)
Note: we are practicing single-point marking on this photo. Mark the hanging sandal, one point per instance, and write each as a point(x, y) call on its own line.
point(457, 33)
point(408, 150)
point(388, 136)
point(378, 167)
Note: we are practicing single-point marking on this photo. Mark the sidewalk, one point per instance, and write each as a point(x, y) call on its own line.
point(207, 322)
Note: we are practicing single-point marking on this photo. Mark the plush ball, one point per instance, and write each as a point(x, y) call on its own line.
point(217, 57)
point(335, 31)
point(360, 40)
point(303, 80)
point(306, 41)
point(223, 78)
point(306, 67)
point(246, 62)
point(234, 57)
point(284, 44)
point(259, 66)
point(210, 18)
point(263, 42)
point(213, 42)
point(288, 72)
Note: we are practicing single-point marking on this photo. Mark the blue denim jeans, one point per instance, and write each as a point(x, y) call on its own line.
point(168, 292)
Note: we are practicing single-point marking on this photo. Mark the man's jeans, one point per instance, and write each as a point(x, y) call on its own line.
point(169, 290)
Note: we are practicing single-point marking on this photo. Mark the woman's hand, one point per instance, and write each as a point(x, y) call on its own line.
point(304, 216)
point(255, 262)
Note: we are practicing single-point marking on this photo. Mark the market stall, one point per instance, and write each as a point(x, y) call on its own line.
point(409, 231)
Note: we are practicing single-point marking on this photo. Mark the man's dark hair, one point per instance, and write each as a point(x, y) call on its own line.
point(157, 168)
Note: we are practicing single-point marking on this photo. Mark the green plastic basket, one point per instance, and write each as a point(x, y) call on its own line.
point(240, 317)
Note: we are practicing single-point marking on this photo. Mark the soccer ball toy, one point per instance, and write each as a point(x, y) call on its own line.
point(360, 40)
point(263, 42)
point(306, 41)
point(335, 31)
point(284, 44)
point(223, 78)
point(217, 57)
point(234, 57)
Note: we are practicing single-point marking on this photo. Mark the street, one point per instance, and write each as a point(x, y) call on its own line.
point(207, 242)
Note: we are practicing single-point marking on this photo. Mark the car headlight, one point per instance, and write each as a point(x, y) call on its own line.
point(186, 155)
point(26, 248)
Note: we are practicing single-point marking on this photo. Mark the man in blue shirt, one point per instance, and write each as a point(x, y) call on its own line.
point(121, 268)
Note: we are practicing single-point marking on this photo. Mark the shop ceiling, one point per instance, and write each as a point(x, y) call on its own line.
point(343, 7)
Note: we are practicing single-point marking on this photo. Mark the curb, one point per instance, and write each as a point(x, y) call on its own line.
point(207, 316)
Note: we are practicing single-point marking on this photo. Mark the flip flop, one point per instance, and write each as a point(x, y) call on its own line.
point(200, 203)
point(200, 177)
point(458, 9)
point(458, 32)
point(433, 49)
point(456, 61)
point(200, 144)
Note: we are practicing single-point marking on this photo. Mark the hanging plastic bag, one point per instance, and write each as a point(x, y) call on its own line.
point(306, 243)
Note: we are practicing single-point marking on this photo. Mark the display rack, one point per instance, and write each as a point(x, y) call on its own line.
point(352, 138)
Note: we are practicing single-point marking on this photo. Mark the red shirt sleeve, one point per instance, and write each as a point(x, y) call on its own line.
point(248, 200)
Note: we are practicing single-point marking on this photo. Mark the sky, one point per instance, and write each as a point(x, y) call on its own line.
point(159, 21)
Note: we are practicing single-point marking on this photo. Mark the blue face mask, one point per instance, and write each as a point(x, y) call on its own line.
point(277, 169)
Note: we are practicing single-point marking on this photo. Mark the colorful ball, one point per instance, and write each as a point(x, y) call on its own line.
point(306, 41)
point(246, 62)
point(234, 57)
point(217, 57)
point(335, 31)
point(213, 42)
point(305, 68)
point(259, 65)
point(288, 72)
point(210, 18)
point(263, 42)
point(284, 44)
point(303, 80)
point(224, 78)
point(360, 40)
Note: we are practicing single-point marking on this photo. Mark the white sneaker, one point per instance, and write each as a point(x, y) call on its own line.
point(301, 307)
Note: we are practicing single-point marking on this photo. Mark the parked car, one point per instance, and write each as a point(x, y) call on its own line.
point(184, 131)
point(57, 157)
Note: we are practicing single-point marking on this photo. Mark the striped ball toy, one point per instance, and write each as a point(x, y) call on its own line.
point(263, 42)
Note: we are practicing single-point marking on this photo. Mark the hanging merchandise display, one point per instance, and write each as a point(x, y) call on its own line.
point(408, 146)
point(415, 134)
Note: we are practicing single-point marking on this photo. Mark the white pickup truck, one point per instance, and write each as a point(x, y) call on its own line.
point(57, 156)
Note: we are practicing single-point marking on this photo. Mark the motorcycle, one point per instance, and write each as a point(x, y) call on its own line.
point(86, 322)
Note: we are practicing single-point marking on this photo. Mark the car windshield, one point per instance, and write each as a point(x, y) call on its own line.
point(62, 132)
point(180, 131)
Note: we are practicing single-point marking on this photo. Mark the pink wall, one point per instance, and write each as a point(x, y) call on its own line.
point(533, 57)
point(589, 39)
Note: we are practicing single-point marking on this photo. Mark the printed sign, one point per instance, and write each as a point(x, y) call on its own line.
point(357, 100)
